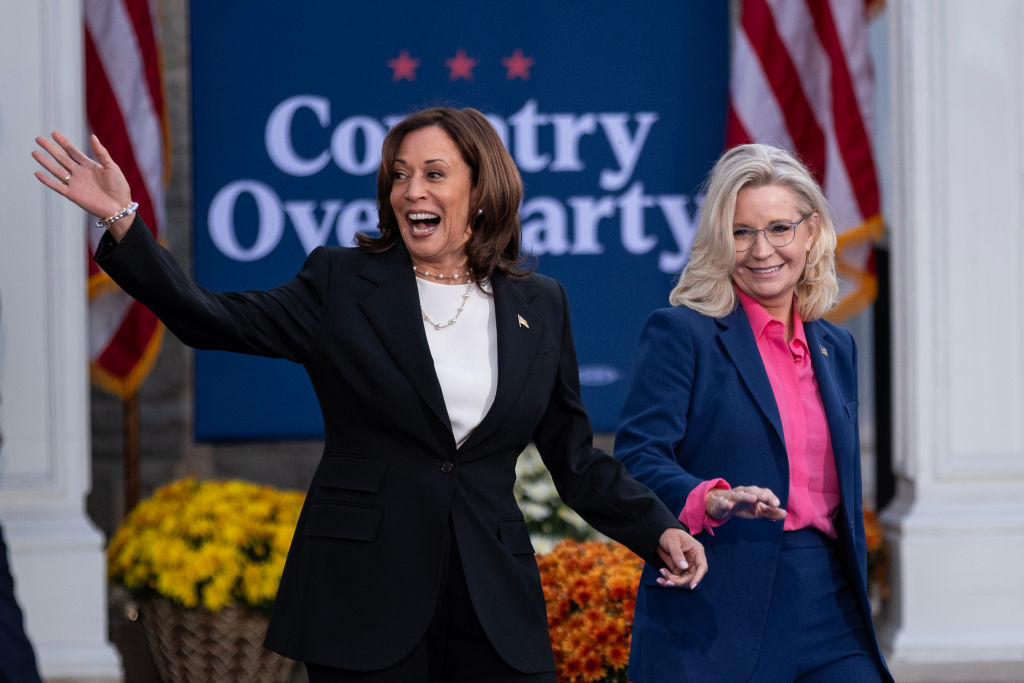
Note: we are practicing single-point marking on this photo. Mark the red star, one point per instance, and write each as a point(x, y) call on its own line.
point(461, 66)
point(517, 66)
point(404, 66)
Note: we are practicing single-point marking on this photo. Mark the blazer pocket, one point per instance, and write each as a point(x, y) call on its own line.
point(516, 537)
point(851, 410)
point(337, 520)
point(349, 473)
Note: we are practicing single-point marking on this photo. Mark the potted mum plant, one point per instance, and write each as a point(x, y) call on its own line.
point(590, 583)
point(590, 592)
point(204, 561)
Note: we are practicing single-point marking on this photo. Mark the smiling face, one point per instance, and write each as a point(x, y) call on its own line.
point(430, 194)
point(766, 273)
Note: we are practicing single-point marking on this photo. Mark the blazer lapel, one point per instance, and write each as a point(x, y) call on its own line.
point(823, 356)
point(520, 330)
point(739, 343)
point(393, 309)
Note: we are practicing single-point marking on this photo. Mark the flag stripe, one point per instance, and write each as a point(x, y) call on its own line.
point(122, 65)
point(784, 81)
point(133, 335)
point(852, 31)
point(851, 134)
point(753, 101)
point(125, 109)
point(801, 79)
point(107, 122)
point(735, 132)
point(142, 19)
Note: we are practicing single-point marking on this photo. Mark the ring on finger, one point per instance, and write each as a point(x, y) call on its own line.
point(66, 179)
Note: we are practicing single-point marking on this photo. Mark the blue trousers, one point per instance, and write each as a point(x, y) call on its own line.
point(816, 630)
point(17, 660)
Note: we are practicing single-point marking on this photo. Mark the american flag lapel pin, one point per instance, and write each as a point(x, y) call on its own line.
point(522, 321)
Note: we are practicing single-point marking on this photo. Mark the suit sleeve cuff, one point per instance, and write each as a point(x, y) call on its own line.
point(694, 515)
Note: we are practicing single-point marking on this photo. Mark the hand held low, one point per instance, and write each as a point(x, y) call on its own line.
point(684, 559)
point(747, 502)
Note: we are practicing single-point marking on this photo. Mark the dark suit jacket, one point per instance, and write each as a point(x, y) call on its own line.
point(701, 406)
point(365, 567)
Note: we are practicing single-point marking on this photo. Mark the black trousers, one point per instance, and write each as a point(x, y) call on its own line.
point(17, 661)
point(455, 648)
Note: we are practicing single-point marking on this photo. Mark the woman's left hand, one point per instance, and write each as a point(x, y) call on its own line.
point(683, 555)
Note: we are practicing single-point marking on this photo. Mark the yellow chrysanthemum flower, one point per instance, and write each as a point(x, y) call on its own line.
point(209, 544)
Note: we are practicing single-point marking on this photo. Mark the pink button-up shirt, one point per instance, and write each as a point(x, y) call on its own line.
point(813, 485)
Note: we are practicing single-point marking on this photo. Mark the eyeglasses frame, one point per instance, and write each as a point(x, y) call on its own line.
point(764, 231)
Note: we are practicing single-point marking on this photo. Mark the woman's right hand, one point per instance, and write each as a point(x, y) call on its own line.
point(98, 186)
point(748, 502)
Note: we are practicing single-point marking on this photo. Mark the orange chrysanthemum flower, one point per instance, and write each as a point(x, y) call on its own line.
point(590, 590)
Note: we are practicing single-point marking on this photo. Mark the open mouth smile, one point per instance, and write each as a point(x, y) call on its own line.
point(422, 222)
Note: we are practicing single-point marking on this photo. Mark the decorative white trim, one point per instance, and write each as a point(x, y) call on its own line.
point(956, 528)
point(55, 552)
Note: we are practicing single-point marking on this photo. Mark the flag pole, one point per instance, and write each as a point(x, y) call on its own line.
point(130, 407)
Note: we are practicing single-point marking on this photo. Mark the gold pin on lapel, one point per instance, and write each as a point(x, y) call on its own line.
point(824, 351)
point(522, 321)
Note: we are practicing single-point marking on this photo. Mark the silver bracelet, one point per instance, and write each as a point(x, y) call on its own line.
point(105, 223)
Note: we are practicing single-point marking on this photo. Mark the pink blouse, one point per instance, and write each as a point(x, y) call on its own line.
point(813, 485)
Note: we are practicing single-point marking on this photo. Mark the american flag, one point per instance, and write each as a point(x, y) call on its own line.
point(802, 79)
point(125, 109)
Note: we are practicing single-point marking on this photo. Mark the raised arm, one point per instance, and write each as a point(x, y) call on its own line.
point(282, 322)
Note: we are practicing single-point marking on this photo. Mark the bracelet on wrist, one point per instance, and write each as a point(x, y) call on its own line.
point(105, 223)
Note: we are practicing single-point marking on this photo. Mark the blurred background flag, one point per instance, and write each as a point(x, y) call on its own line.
point(125, 108)
point(802, 79)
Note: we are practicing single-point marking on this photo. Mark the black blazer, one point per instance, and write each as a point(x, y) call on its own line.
point(365, 567)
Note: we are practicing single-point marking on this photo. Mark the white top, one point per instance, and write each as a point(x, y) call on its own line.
point(465, 354)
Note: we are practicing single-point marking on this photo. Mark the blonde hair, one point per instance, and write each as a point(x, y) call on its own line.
point(706, 282)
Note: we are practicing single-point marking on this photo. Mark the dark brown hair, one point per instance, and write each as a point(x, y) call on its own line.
point(497, 190)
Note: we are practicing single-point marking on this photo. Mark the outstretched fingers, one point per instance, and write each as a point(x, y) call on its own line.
point(56, 163)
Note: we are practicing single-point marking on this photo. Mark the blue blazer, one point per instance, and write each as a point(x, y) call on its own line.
point(701, 406)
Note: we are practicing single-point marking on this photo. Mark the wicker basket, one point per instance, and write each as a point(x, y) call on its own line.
point(199, 646)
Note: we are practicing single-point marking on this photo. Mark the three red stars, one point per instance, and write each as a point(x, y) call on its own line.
point(461, 66)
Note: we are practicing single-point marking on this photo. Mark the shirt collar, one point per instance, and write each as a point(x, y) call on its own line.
point(760, 319)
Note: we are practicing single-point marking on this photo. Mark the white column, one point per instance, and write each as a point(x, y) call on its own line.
point(56, 553)
point(957, 230)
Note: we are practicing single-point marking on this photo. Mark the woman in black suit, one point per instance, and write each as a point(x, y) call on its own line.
point(436, 359)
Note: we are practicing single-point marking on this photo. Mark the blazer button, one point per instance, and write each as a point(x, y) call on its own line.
point(447, 466)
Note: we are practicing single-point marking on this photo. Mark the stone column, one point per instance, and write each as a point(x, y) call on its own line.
point(956, 526)
point(56, 554)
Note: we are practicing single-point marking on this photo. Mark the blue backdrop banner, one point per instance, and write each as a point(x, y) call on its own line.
point(614, 112)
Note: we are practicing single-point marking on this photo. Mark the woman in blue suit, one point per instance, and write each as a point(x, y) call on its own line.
point(742, 417)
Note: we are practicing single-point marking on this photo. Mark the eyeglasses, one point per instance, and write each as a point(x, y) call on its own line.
point(777, 234)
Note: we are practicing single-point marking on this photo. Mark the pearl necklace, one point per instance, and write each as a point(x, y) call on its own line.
point(458, 311)
point(438, 276)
